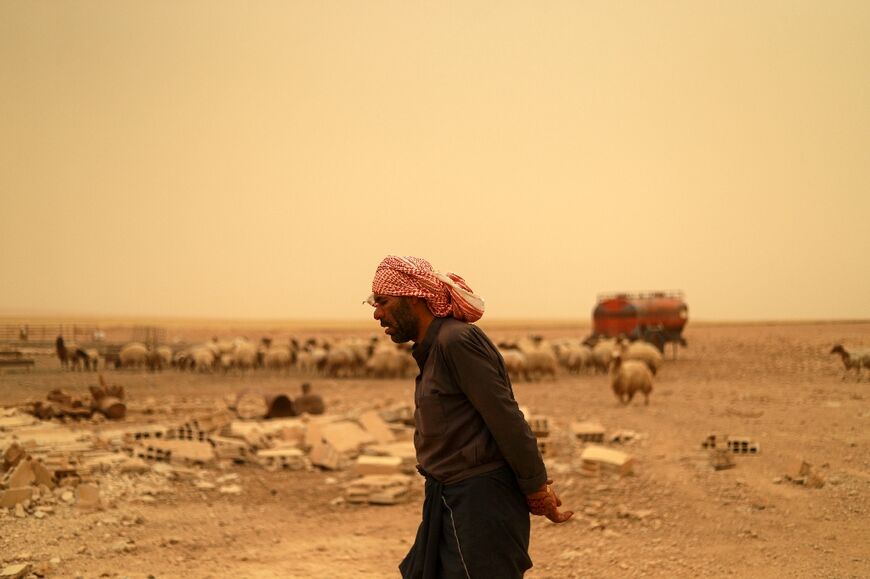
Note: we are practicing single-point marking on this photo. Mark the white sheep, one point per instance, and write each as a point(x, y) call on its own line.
point(602, 353)
point(628, 377)
point(854, 360)
point(643, 351)
point(514, 363)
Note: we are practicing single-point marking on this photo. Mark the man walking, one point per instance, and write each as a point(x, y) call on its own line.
point(484, 473)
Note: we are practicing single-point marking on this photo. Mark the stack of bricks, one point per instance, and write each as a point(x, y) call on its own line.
point(540, 426)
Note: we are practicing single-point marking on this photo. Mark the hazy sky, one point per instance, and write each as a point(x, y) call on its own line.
point(258, 159)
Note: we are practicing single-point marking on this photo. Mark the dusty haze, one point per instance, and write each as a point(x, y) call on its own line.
point(219, 160)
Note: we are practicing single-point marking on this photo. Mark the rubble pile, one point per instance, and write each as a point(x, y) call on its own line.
point(92, 464)
point(106, 399)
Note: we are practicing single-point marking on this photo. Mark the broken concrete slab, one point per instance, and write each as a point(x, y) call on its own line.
point(16, 571)
point(22, 475)
point(377, 427)
point(17, 421)
point(378, 489)
point(346, 437)
point(43, 475)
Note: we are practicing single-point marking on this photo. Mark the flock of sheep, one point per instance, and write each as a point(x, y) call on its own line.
point(631, 365)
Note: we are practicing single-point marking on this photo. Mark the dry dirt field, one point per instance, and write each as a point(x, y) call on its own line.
point(675, 517)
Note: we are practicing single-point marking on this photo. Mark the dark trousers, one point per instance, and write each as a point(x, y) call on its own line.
point(474, 529)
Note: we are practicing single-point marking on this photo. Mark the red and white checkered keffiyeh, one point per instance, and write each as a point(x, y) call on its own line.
point(445, 294)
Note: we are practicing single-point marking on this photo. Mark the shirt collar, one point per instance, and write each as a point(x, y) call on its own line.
point(421, 351)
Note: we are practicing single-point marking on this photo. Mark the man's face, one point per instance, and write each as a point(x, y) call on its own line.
point(395, 314)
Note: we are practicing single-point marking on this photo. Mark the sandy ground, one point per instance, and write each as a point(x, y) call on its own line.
point(676, 517)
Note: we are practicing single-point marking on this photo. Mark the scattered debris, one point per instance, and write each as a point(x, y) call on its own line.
point(801, 472)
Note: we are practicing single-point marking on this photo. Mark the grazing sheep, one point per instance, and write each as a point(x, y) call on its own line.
point(854, 360)
point(602, 353)
point(515, 363)
point(389, 361)
point(540, 359)
point(133, 355)
point(245, 355)
point(278, 358)
point(628, 377)
point(643, 351)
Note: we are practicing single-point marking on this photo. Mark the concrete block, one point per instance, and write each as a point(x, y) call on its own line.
point(546, 446)
point(388, 496)
point(289, 458)
point(540, 425)
point(607, 459)
point(313, 434)
point(227, 448)
point(13, 496)
point(325, 456)
point(588, 431)
point(185, 451)
point(377, 427)
point(742, 445)
point(369, 465)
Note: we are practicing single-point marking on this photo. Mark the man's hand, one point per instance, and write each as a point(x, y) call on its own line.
point(545, 502)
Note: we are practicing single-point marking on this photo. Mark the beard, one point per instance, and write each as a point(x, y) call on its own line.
point(405, 325)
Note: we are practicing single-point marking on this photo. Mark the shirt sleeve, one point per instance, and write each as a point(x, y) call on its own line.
point(479, 370)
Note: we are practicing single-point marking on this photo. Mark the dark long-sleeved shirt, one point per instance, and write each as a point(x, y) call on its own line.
point(467, 420)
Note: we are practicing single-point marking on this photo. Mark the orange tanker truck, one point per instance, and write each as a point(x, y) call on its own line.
point(656, 317)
